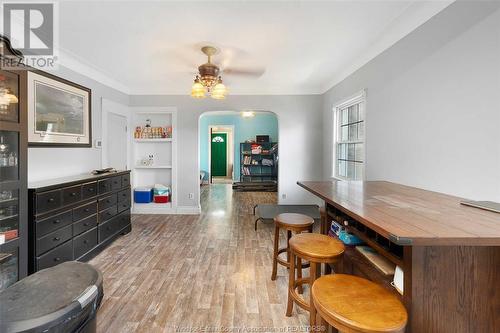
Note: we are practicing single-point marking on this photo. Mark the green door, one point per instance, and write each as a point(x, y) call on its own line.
point(219, 154)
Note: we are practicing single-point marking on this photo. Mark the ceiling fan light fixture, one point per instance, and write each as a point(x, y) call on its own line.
point(197, 90)
point(208, 80)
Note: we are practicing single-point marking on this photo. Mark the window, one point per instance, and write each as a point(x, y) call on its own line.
point(349, 139)
point(218, 139)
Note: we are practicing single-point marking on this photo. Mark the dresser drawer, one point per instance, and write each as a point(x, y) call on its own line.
point(84, 243)
point(123, 220)
point(56, 256)
point(116, 183)
point(53, 239)
point(72, 194)
point(84, 211)
point(124, 205)
point(108, 229)
point(124, 195)
point(126, 180)
point(52, 223)
point(48, 201)
point(108, 213)
point(104, 186)
point(107, 202)
point(84, 225)
point(89, 190)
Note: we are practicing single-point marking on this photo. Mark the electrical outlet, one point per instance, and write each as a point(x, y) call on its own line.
point(283, 196)
point(191, 195)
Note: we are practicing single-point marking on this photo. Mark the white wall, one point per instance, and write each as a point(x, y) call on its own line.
point(47, 163)
point(433, 112)
point(300, 135)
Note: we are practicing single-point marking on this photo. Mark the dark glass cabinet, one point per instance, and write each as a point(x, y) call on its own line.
point(13, 178)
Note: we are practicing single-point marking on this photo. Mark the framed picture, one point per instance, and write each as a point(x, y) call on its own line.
point(59, 112)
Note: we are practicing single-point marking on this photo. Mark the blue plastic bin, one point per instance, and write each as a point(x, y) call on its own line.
point(143, 194)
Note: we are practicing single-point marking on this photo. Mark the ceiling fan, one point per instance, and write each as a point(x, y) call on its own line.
point(208, 79)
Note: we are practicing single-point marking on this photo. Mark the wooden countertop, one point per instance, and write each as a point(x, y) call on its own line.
point(408, 215)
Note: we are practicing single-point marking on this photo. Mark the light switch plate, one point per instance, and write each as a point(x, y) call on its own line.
point(98, 143)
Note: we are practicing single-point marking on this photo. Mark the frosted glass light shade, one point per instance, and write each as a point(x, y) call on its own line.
point(219, 91)
point(197, 90)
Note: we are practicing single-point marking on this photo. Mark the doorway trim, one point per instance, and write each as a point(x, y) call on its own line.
point(230, 149)
point(108, 106)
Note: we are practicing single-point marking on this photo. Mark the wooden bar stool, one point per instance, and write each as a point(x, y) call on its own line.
point(352, 304)
point(291, 222)
point(317, 249)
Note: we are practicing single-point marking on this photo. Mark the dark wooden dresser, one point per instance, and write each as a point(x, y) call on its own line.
point(74, 218)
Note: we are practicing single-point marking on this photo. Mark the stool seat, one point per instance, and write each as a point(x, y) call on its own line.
point(317, 247)
point(292, 221)
point(353, 304)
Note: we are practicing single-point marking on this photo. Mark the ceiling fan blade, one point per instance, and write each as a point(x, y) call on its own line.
point(256, 72)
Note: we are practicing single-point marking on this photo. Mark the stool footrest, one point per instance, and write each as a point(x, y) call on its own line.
point(299, 300)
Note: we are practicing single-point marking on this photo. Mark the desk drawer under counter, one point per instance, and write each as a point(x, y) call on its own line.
point(75, 218)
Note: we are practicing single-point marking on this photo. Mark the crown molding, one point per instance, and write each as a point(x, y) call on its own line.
point(78, 65)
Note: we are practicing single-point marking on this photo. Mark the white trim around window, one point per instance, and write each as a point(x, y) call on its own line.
point(349, 139)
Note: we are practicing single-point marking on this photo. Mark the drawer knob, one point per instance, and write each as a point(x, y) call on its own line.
point(56, 221)
point(57, 239)
point(90, 189)
point(57, 259)
point(51, 200)
point(85, 241)
point(108, 201)
point(85, 224)
point(73, 194)
point(86, 210)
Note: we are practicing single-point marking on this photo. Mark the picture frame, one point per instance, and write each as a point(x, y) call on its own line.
point(59, 112)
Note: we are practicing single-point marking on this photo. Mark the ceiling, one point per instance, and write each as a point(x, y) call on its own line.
point(302, 47)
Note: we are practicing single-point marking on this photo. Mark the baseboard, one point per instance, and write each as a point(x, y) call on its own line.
point(188, 210)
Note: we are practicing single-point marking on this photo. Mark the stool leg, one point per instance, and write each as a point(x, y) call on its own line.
point(313, 271)
point(322, 325)
point(288, 236)
point(275, 255)
point(299, 274)
point(291, 285)
point(328, 269)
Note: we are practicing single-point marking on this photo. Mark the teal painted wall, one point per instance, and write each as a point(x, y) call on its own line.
point(263, 123)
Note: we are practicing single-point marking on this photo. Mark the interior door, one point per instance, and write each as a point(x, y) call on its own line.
point(117, 141)
point(218, 159)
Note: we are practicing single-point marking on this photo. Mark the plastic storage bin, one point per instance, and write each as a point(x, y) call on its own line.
point(161, 199)
point(64, 298)
point(161, 194)
point(143, 195)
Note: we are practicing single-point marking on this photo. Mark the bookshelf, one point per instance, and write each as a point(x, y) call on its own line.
point(163, 170)
point(258, 164)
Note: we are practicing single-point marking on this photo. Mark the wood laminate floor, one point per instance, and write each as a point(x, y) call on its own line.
point(204, 273)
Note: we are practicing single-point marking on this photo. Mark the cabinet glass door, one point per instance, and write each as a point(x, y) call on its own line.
point(9, 94)
point(10, 182)
point(9, 267)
